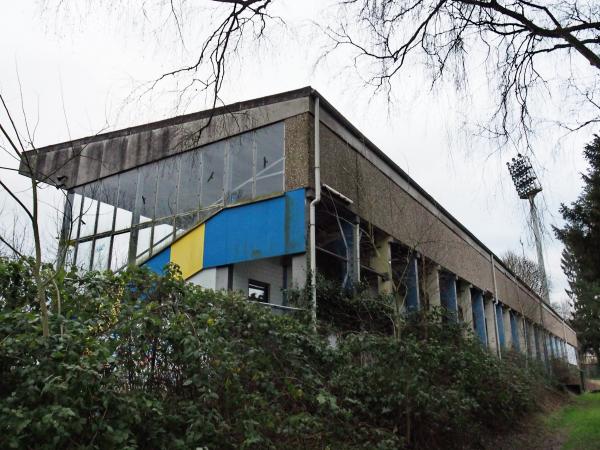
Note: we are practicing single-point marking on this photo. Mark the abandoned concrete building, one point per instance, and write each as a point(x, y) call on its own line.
point(240, 198)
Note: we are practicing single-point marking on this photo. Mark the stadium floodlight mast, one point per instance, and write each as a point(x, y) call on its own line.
point(528, 187)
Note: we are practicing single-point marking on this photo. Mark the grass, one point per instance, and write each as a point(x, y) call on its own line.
point(581, 422)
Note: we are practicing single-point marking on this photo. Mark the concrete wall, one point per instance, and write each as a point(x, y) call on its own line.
point(390, 203)
point(88, 159)
point(265, 270)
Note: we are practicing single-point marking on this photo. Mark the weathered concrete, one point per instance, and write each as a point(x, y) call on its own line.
point(381, 263)
point(431, 278)
point(490, 321)
point(465, 303)
point(382, 193)
point(110, 153)
point(507, 328)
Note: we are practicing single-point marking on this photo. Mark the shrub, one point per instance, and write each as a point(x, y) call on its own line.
point(151, 362)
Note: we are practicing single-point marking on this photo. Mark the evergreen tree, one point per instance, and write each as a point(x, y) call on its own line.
point(581, 256)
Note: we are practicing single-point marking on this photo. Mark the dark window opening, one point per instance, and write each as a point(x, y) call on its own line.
point(258, 291)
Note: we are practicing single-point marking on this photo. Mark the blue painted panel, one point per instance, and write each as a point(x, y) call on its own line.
point(258, 230)
point(478, 315)
point(514, 331)
point(448, 295)
point(500, 324)
point(159, 261)
point(412, 286)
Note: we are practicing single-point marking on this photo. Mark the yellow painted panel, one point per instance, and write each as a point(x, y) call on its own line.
point(188, 252)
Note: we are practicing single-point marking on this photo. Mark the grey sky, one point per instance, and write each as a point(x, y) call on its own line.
point(91, 61)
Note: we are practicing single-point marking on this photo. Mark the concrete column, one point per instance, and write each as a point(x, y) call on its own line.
point(299, 274)
point(500, 319)
point(381, 262)
point(412, 285)
point(507, 328)
point(222, 276)
point(465, 303)
point(531, 340)
point(432, 285)
point(523, 341)
point(536, 342)
point(492, 337)
point(478, 315)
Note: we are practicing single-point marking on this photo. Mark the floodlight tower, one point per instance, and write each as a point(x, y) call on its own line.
point(528, 187)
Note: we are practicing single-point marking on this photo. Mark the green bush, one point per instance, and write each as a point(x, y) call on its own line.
point(140, 361)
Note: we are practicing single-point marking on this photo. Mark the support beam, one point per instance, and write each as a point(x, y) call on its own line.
point(299, 273)
point(523, 341)
point(508, 341)
point(531, 342)
point(465, 305)
point(432, 285)
point(381, 262)
point(491, 325)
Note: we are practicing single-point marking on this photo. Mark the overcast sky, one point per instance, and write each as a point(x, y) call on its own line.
point(79, 71)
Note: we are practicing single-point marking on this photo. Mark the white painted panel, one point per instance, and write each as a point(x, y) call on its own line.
point(206, 278)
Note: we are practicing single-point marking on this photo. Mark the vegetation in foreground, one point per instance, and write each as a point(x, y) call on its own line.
point(581, 421)
point(134, 360)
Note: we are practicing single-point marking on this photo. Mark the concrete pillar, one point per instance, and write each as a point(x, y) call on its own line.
point(523, 340)
point(432, 285)
point(508, 341)
point(222, 278)
point(501, 326)
point(478, 308)
point(412, 285)
point(465, 303)
point(381, 262)
point(536, 342)
point(531, 347)
point(492, 337)
point(299, 274)
point(448, 295)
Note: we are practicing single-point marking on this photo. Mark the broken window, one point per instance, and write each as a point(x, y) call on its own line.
point(258, 291)
point(151, 204)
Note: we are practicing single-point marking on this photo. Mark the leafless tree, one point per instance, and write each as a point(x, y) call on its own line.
point(563, 308)
point(14, 145)
point(516, 39)
point(527, 270)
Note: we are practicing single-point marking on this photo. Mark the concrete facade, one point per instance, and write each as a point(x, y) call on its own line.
point(395, 218)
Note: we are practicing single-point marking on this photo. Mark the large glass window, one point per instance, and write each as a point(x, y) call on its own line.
point(190, 181)
point(213, 174)
point(166, 196)
point(145, 208)
point(146, 192)
point(241, 168)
